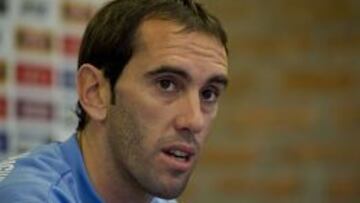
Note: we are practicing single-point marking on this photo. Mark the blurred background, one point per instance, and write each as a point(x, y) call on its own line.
point(288, 129)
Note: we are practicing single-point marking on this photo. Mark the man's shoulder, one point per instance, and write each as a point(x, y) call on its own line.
point(43, 163)
point(32, 175)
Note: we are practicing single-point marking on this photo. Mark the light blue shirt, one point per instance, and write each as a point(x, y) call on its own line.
point(53, 173)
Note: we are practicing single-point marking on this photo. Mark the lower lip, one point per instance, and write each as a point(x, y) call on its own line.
point(174, 163)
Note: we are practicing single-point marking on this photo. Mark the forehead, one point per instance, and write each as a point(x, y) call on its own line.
point(165, 37)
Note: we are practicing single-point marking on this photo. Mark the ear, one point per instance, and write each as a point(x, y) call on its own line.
point(93, 91)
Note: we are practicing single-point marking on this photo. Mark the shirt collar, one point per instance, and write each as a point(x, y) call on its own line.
point(73, 156)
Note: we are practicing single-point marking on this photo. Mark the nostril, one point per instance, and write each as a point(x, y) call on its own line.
point(190, 125)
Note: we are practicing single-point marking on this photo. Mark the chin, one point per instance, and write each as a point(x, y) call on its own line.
point(169, 191)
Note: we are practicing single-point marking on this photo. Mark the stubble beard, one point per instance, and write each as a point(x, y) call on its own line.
point(132, 162)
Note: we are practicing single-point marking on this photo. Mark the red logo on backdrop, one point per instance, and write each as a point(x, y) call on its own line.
point(3, 108)
point(33, 40)
point(33, 74)
point(71, 45)
point(39, 110)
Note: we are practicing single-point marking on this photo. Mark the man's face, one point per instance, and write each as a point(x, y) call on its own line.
point(166, 99)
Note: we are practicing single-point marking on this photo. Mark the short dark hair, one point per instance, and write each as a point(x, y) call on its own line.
point(110, 37)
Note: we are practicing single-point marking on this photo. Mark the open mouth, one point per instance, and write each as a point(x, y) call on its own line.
point(181, 153)
point(178, 154)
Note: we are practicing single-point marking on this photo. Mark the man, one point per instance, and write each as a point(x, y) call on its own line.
point(149, 77)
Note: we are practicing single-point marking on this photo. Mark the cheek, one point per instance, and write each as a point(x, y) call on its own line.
point(205, 134)
point(152, 117)
point(208, 128)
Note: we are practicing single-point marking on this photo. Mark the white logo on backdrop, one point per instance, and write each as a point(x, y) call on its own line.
point(8, 165)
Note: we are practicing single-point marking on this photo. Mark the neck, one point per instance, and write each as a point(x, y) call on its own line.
point(106, 177)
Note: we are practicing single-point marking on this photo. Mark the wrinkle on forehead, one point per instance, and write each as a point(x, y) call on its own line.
point(152, 31)
point(200, 49)
point(191, 34)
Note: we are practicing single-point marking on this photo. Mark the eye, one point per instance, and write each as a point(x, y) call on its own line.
point(166, 85)
point(210, 95)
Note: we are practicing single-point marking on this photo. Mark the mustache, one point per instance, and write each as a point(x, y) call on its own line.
point(184, 137)
point(188, 137)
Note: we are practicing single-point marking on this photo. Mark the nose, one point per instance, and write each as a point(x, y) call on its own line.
point(190, 117)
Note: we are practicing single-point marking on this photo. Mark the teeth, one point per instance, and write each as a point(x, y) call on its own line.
point(178, 153)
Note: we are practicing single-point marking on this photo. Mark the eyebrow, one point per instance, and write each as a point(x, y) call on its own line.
point(221, 79)
point(169, 69)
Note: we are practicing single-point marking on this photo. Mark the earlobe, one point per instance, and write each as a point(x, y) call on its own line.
point(93, 90)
